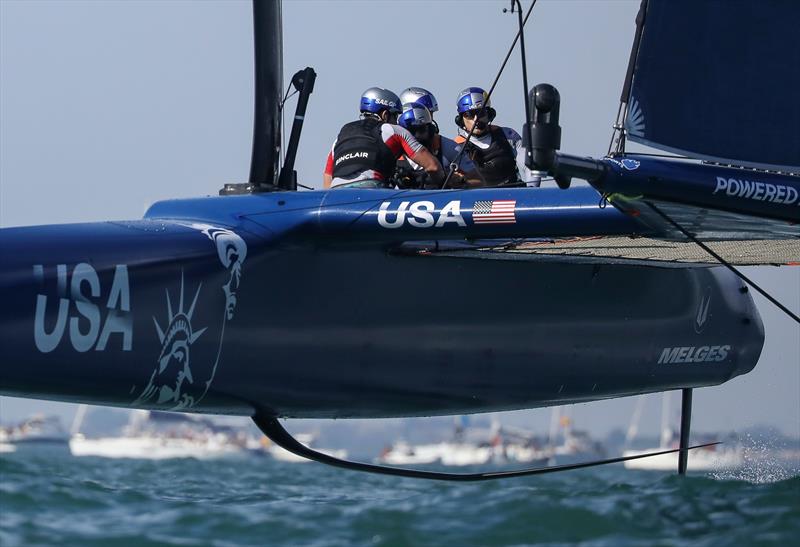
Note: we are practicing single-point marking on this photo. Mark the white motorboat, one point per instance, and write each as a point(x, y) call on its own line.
point(499, 445)
point(521, 453)
point(402, 453)
point(158, 436)
point(36, 431)
point(155, 447)
point(445, 453)
point(460, 454)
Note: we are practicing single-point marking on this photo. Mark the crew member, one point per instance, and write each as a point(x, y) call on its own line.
point(495, 153)
point(366, 151)
point(417, 119)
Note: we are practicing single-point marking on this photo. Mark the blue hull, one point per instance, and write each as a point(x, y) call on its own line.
point(298, 304)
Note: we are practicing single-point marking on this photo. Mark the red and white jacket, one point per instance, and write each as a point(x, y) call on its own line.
point(399, 141)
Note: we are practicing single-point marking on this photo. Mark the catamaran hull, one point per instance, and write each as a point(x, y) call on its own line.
point(192, 317)
point(429, 335)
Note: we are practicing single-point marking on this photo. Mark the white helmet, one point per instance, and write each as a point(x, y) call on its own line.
point(415, 115)
point(376, 99)
point(419, 95)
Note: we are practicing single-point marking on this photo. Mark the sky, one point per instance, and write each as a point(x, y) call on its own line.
point(108, 107)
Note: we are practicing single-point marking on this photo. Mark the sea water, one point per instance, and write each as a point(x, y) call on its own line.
point(55, 499)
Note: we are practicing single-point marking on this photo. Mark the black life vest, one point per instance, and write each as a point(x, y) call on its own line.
point(360, 147)
point(435, 148)
point(496, 163)
point(406, 176)
point(437, 143)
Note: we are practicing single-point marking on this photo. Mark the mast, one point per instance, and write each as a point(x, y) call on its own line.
point(77, 420)
point(268, 46)
point(666, 427)
point(633, 428)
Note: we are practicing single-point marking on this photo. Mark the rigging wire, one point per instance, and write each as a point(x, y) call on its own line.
point(286, 97)
point(724, 262)
point(618, 131)
point(528, 126)
point(455, 163)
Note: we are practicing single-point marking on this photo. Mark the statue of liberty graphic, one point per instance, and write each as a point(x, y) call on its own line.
point(173, 383)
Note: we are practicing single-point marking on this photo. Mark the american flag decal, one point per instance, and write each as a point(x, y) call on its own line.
point(499, 211)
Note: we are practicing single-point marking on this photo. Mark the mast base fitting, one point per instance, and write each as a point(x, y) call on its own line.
point(237, 189)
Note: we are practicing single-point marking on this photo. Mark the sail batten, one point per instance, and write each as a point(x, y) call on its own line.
point(719, 81)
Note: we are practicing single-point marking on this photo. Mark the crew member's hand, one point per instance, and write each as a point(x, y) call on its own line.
point(457, 180)
point(430, 164)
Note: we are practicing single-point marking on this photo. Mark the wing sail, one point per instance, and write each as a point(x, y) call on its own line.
point(718, 81)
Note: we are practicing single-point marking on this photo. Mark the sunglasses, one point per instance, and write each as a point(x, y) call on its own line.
point(470, 114)
point(417, 129)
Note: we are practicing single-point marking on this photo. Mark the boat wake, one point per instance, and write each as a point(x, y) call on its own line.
point(763, 462)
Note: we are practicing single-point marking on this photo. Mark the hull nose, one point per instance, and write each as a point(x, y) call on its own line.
point(751, 347)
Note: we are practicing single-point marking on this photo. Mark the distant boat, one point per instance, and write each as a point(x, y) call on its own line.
point(158, 436)
point(571, 445)
point(458, 451)
point(577, 446)
point(445, 453)
point(500, 445)
point(460, 454)
point(701, 459)
point(402, 453)
point(36, 431)
point(154, 447)
point(530, 454)
point(521, 446)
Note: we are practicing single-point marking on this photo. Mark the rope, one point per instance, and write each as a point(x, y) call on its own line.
point(725, 263)
point(283, 120)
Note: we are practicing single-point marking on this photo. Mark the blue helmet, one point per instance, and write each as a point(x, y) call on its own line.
point(472, 98)
point(419, 95)
point(376, 99)
point(415, 115)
